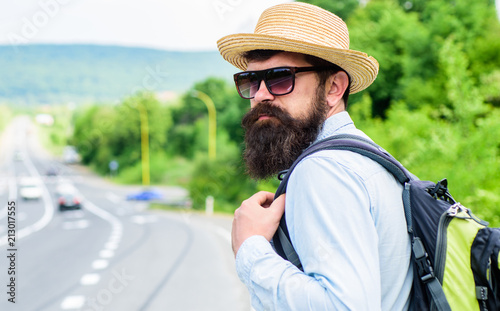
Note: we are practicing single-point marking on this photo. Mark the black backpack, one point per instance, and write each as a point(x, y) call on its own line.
point(455, 255)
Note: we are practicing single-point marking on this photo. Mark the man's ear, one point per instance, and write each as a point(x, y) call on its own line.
point(335, 88)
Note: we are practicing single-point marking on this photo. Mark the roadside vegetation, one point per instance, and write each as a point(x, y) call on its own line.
point(435, 106)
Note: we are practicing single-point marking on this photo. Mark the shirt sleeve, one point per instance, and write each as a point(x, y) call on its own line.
point(329, 219)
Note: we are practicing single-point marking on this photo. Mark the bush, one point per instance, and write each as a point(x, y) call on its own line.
point(224, 179)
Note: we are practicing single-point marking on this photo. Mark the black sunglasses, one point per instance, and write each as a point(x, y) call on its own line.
point(279, 80)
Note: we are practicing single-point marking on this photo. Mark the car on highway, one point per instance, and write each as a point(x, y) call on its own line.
point(52, 171)
point(29, 188)
point(145, 195)
point(69, 201)
point(67, 197)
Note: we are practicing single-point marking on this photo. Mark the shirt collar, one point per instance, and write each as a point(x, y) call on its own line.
point(336, 124)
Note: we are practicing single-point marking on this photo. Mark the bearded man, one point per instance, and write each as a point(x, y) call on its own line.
point(344, 212)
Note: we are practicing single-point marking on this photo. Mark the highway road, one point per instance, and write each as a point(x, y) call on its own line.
point(114, 254)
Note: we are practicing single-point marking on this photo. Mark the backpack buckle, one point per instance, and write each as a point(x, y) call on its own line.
point(455, 209)
point(282, 174)
point(424, 268)
point(440, 191)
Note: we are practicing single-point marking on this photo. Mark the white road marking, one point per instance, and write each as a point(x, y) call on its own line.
point(90, 279)
point(74, 214)
point(79, 224)
point(117, 230)
point(73, 302)
point(141, 220)
point(100, 264)
point(48, 211)
point(111, 245)
point(115, 238)
point(106, 253)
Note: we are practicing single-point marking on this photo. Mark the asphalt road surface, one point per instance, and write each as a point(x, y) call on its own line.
point(113, 254)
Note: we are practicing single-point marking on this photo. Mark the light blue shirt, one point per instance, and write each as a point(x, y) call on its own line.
point(346, 221)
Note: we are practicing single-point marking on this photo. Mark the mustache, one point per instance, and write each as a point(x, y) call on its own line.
point(266, 109)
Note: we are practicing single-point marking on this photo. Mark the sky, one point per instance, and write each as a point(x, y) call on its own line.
point(177, 25)
point(180, 25)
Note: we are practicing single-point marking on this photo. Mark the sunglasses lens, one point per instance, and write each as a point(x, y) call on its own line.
point(280, 81)
point(248, 84)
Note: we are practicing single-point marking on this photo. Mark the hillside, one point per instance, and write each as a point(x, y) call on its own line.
point(39, 74)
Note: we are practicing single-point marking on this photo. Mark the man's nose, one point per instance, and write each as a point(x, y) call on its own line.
point(263, 93)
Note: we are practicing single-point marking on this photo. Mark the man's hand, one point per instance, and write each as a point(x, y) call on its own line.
point(258, 215)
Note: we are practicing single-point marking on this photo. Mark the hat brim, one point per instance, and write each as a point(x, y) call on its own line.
point(362, 69)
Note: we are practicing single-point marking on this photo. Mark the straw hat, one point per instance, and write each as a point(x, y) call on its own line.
point(303, 28)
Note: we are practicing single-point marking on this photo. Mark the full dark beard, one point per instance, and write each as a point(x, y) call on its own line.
point(273, 144)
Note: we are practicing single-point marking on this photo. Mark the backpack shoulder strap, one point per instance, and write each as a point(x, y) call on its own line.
point(354, 143)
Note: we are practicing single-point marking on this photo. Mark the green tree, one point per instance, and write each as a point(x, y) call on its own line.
point(183, 136)
point(341, 8)
point(93, 127)
point(457, 140)
point(126, 139)
point(405, 53)
point(224, 179)
point(405, 37)
point(104, 133)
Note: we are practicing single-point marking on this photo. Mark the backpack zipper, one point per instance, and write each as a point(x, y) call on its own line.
point(441, 245)
point(440, 256)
